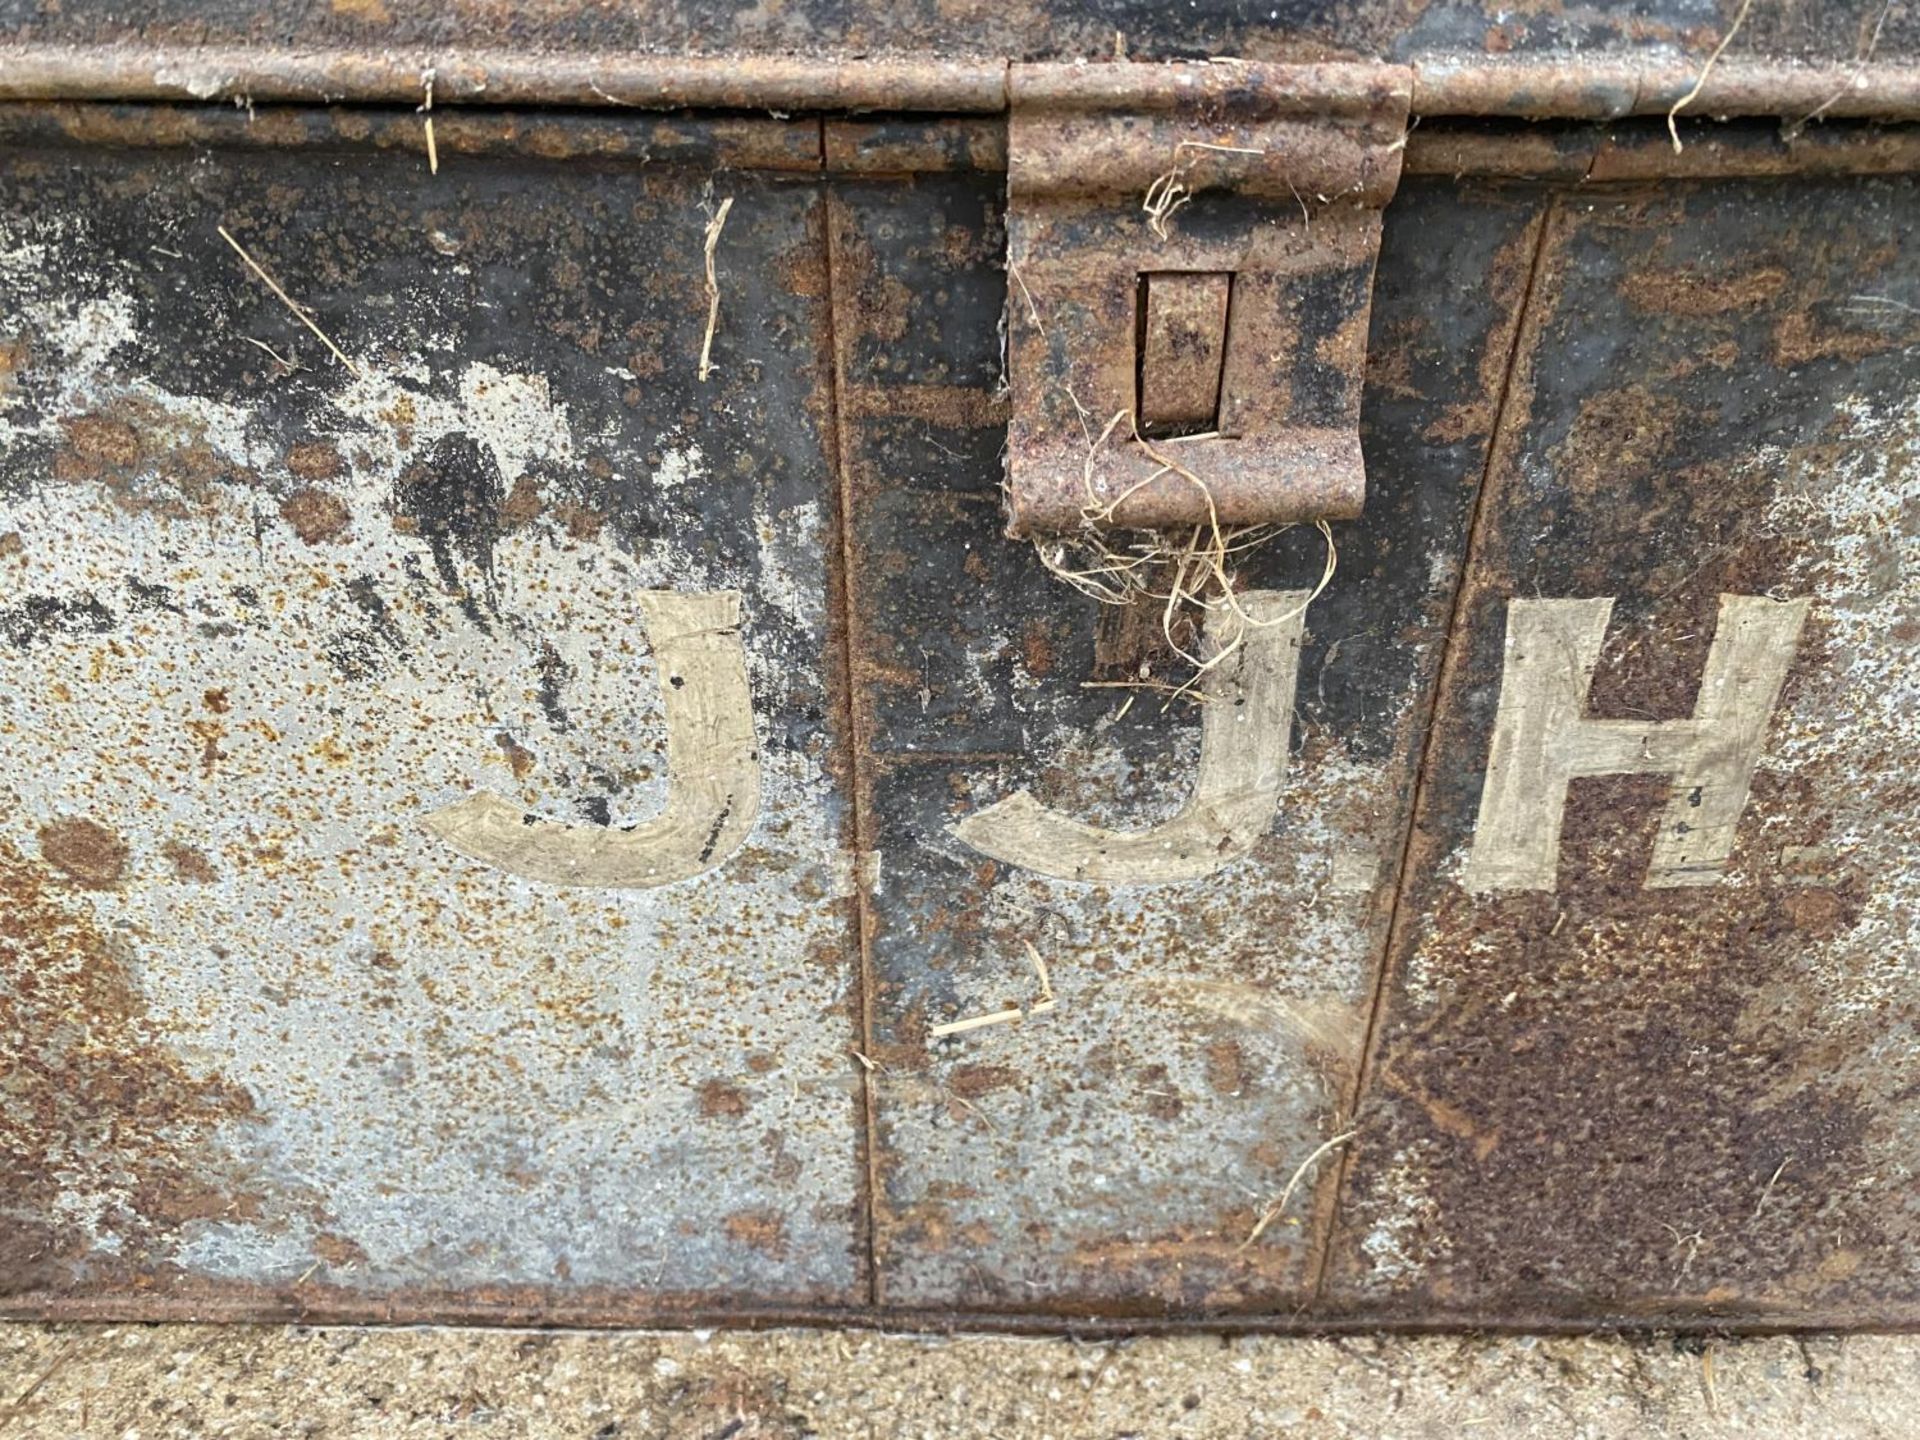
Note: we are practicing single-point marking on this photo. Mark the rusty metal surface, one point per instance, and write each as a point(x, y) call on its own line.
point(470, 74)
point(1111, 1155)
point(1567, 85)
point(265, 1041)
point(1794, 59)
point(718, 142)
point(1614, 1095)
point(1287, 448)
point(1833, 31)
point(1458, 149)
point(1588, 86)
point(913, 146)
point(1571, 87)
point(1272, 130)
point(269, 1047)
point(1183, 341)
point(1725, 151)
point(1643, 150)
point(1238, 180)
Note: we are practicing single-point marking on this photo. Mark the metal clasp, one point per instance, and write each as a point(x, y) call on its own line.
point(1191, 251)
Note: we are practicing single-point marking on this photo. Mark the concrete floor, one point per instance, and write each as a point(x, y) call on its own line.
point(159, 1382)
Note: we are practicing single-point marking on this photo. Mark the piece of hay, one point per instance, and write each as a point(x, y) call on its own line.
point(977, 1022)
point(1792, 132)
point(1772, 1181)
point(1046, 1000)
point(1692, 1240)
point(1169, 190)
point(279, 359)
point(1274, 1211)
point(1046, 1003)
point(714, 227)
point(299, 312)
point(433, 150)
point(1700, 80)
point(1199, 697)
point(1196, 568)
point(974, 1110)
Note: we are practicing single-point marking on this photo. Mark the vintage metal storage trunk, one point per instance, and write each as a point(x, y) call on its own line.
point(1027, 663)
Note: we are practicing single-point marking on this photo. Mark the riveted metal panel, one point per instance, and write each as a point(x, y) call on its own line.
point(265, 1039)
point(1681, 1095)
point(1114, 1153)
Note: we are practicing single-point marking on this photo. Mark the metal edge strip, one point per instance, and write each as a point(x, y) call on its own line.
point(1561, 88)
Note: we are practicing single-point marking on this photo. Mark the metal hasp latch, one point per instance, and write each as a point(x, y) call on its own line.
point(1191, 251)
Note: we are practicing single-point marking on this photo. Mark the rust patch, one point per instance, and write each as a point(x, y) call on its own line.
point(1618, 436)
point(1227, 1070)
point(337, 1249)
point(519, 759)
point(876, 305)
point(189, 864)
point(718, 1098)
point(1800, 338)
point(1037, 648)
point(1624, 995)
point(802, 271)
point(579, 521)
point(970, 1082)
point(1474, 417)
point(98, 441)
point(315, 460)
point(370, 12)
point(316, 516)
point(1692, 293)
point(100, 1115)
point(523, 504)
point(762, 1230)
point(1154, 1084)
point(149, 459)
point(899, 146)
point(85, 851)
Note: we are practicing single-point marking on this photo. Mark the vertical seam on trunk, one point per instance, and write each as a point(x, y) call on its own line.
point(857, 737)
point(1525, 331)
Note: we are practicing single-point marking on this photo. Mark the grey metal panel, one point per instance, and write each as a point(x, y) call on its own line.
point(1113, 1154)
point(265, 1038)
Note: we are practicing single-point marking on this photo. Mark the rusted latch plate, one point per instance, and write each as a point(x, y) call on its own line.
point(1191, 251)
